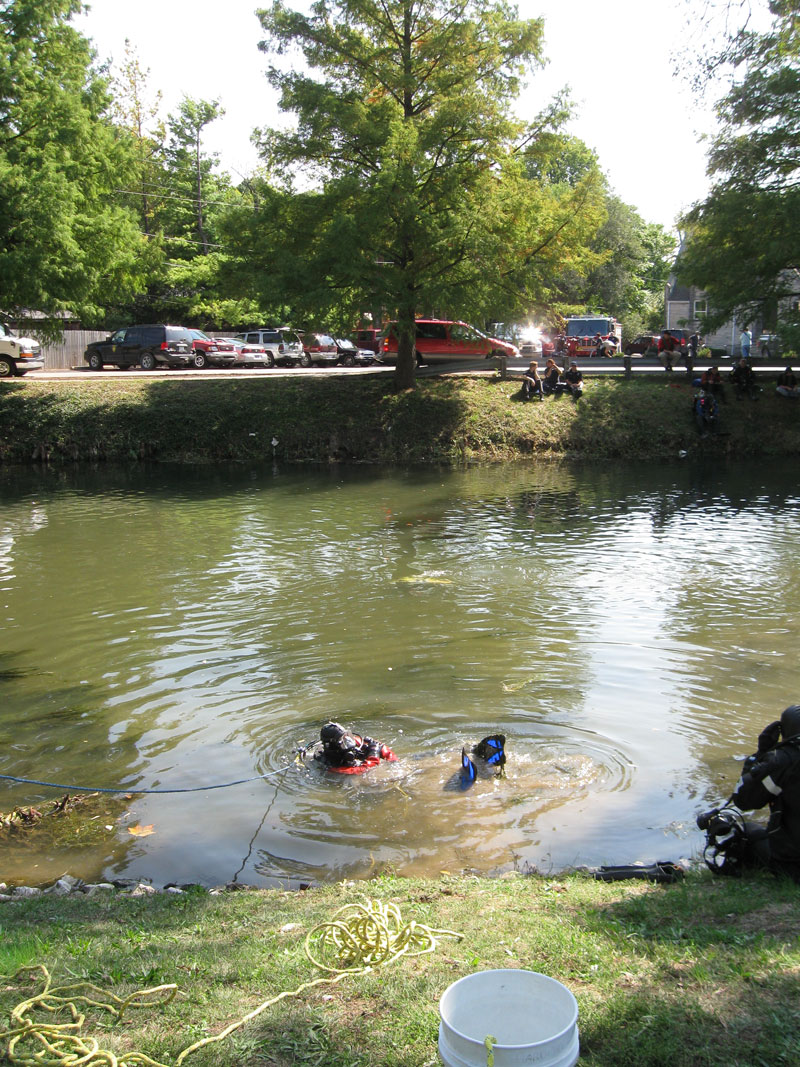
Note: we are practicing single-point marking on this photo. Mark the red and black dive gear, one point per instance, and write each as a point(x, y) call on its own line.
point(346, 753)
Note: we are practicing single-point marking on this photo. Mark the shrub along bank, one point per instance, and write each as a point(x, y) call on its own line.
point(360, 419)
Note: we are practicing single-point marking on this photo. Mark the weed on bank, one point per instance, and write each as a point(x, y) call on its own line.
point(703, 972)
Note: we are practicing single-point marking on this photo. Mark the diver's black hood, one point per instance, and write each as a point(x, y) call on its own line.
point(790, 722)
point(331, 733)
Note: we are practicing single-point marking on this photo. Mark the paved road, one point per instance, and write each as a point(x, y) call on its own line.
point(589, 366)
point(190, 373)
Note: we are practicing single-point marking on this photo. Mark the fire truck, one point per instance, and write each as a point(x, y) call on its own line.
point(583, 332)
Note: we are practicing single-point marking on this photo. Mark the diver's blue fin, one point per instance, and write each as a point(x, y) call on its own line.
point(468, 771)
point(492, 749)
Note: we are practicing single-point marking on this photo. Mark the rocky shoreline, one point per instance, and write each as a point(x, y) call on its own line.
point(67, 885)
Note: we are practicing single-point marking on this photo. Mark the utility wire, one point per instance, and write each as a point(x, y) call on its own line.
point(171, 196)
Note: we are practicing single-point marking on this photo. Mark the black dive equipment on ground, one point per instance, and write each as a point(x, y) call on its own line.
point(726, 840)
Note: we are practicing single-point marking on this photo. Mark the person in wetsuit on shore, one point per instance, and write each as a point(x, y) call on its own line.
point(771, 777)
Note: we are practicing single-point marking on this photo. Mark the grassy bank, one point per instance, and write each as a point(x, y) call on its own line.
point(704, 972)
point(360, 419)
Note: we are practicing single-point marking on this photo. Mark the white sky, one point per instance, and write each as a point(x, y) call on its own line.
point(616, 55)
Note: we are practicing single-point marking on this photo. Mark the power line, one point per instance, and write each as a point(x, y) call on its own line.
point(172, 196)
point(183, 240)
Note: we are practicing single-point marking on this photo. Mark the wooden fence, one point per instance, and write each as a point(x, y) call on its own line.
point(68, 352)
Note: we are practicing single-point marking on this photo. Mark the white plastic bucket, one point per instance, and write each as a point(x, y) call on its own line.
point(533, 1018)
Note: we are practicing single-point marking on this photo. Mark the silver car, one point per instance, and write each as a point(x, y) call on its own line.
point(282, 343)
point(250, 355)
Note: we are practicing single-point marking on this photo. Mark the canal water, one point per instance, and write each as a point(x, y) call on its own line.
point(630, 629)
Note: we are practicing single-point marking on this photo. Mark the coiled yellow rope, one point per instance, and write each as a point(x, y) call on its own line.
point(357, 939)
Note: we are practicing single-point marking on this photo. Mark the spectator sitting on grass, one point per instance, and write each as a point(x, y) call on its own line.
point(531, 382)
point(744, 380)
point(787, 384)
point(573, 381)
point(552, 378)
point(711, 382)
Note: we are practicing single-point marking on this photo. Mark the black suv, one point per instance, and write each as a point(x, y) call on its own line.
point(142, 346)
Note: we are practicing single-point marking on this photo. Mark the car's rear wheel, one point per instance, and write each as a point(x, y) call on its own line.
point(147, 361)
point(305, 360)
point(269, 360)
point(7, 367)
point(95, 362)
point(348, 361)
point(200, 360)
point(418, 358)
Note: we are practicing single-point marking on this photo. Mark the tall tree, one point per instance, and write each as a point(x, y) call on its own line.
point(741, 240)
point(631, 258)
point(191, 168)
point(182, 201)
point(420, 198)
point(66, 240)
point(636, 260)
point(136, 110)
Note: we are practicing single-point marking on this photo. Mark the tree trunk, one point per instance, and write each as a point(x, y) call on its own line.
point(405, 370)
point(198, 173)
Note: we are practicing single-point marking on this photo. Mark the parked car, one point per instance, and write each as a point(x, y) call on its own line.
point(499, 346)
point(282, 343)
point(246, 355)
point(440, 341)
point(318, 348)
point(368, 337)
point(18, 355)
point(645, 342)
point(351, 355)
point(144, 346)
point(215, 351)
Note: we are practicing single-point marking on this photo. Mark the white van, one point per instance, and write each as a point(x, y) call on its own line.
point(18, 355)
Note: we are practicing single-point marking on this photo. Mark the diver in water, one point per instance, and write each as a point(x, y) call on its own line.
point(349, 753)
point(491, 750)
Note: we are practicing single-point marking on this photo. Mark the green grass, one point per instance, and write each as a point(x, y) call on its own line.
point(705, 972)
point(360, 419)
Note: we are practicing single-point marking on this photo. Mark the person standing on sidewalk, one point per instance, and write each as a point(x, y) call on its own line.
point(745, 341)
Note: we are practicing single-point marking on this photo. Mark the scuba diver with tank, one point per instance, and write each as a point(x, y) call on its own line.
point(344, 752)
point(771, 776)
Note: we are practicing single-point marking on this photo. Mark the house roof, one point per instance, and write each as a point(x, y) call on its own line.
point(679, 292)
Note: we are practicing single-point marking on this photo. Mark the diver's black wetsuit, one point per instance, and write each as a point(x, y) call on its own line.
point(772, 777)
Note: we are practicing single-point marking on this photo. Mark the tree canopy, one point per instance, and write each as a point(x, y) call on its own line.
point(415, 196)
point(408, 183)
point(66, 241)
point(741, 246)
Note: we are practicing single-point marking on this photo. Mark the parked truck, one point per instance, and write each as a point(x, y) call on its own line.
point(583, 332)
point(18, 355)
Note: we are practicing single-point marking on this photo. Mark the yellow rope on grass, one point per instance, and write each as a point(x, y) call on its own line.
point(356, 940)
point(64, 1044)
